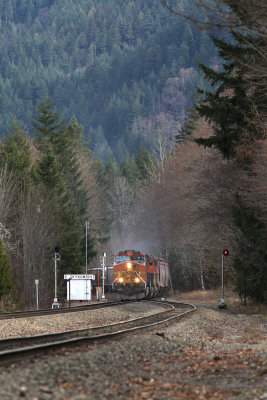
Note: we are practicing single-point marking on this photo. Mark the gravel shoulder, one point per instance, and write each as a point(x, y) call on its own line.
point(212, 354)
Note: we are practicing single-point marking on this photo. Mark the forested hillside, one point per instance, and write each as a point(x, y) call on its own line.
point(127, 71)
point(194, 201)
point(107, 62)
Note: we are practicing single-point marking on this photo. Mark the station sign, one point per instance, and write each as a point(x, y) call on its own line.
point(80, 276)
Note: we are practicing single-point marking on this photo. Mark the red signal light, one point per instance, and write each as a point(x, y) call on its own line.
point(226, 252)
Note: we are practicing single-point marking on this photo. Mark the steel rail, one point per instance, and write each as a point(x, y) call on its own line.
point(29, 340)
point(36, 345)
point(50, 311)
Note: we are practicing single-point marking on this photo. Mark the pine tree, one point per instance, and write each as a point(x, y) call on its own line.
point(232, 109)
point(58, 171)
point(16, 154)
point(229, 107)
point(129, 169)
point(143, 162)
point(46, 123)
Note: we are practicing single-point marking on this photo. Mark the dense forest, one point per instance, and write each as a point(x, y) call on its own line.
point(185, 202)
point(105, 61)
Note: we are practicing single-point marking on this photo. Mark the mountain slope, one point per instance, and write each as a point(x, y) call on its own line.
point(106, 61)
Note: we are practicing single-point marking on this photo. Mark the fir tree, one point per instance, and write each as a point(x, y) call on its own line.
point(58, 172)
point(229, 107)
point(143, 161)
point(16, 154)
point(232, 109)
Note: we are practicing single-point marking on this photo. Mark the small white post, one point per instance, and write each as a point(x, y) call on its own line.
point(37, 294)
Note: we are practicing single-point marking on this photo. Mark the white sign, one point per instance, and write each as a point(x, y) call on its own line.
point(84, 276)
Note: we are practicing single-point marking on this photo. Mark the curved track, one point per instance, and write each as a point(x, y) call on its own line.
point(35, 313)
point(19, 348)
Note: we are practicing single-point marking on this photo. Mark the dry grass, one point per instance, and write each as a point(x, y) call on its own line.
point(213, 295)
point(232, 300)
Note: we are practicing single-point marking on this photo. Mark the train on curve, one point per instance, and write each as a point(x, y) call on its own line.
point(137, 275)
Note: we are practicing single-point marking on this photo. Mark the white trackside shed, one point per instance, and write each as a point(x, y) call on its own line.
point(79, 287)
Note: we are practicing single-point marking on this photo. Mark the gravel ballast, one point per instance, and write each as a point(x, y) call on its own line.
point(212, 354)
point(78, 320)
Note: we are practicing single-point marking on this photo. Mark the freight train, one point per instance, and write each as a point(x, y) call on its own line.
point(137, 275)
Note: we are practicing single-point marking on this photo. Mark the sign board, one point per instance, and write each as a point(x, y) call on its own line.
point(83, 276)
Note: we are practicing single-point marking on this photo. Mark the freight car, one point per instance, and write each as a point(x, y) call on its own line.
point(137, 275)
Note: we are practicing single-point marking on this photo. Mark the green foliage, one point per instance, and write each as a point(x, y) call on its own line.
point(5, 272)
point(188, 125)
point(58, 173)
point(143, 161)
point(130, 170)
point(231, 108)
point(104, 61)
point(251, 260)
point(16, 155)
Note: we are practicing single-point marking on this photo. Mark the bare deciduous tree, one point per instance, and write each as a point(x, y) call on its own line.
point(160, 155)
point(189, 211)
point(37, 243)
point(7, 187)
point(121, 200)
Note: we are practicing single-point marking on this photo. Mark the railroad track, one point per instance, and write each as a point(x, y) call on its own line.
point(35, 313)
point(18, 348)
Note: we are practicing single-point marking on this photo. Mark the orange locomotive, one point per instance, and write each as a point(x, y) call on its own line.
point(137, 275)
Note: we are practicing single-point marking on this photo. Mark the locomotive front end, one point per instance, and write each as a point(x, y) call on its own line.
point(129, 275)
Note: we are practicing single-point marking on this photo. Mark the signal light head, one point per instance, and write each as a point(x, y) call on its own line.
point(226, 252)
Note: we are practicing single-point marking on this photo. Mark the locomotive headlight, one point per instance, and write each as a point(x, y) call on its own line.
point(129, 265)
point(120, 280)
point(137, 280)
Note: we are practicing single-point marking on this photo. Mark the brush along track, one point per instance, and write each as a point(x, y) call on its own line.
point(19, 348)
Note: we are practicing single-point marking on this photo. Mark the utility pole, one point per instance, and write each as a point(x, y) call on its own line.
point(86, 258)
point(103, 275)
point(224, 254)
point(56, 258)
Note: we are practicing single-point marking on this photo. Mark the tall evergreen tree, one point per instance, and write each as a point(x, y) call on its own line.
point(58, 171)
point(231, 108)
point(16, 154)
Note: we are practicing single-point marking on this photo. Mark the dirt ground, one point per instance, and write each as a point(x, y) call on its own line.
point(222, 353)
point(216, 354)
